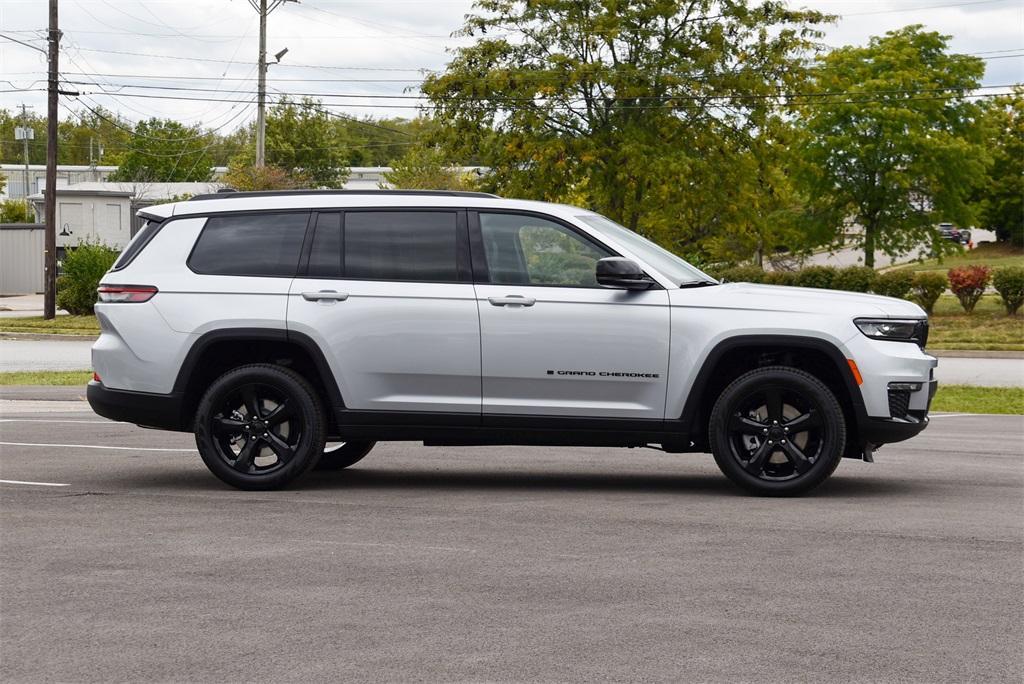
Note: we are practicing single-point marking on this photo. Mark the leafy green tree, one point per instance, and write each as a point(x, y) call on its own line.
point(302, 137)
point(639, 110)
point(1002, 192)
point(427, 168)
point(166, 151)
point(14, 211)
point(892, 140)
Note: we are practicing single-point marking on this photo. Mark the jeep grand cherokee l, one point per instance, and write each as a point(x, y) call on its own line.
point(294, 329)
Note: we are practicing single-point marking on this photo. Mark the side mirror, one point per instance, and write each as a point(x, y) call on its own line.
point(622, 274)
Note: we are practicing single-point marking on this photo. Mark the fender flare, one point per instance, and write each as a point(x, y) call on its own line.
point(695, 399)
point(205, 341)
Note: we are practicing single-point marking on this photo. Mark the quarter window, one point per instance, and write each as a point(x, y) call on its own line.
point(401, 245)
point(526, 250)
point(265, 244)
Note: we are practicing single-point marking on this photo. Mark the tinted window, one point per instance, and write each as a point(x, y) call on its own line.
point(325, 255)
point(532, 251)
point(401, 245)
point(251, 244)
point(141, 240)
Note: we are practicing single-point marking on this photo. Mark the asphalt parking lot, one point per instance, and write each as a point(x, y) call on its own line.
point(505, 564)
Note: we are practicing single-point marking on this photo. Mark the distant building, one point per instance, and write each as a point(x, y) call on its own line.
point(67, 174)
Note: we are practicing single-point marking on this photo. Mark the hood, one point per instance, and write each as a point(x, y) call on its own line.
point(807, 300)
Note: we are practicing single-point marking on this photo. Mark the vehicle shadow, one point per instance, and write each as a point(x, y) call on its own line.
point(409, 480)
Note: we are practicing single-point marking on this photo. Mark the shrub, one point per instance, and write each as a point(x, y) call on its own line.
point(926, 287)
point(742, 274)
point(780, 278)
point(968, 284)
point(84, 266)
point(1009, 283)
point(894, 284)
point(816, 276)
point(854, 279)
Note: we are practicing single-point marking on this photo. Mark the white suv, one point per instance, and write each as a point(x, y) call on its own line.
point(291, 329)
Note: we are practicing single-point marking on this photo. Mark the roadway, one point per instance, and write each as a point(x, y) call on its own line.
point(128, 561)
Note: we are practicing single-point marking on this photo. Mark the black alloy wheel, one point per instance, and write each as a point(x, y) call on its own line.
point(777, 430)
point(259, 427)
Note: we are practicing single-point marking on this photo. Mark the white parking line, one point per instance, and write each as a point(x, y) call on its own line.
point(46, 420)
point(34, 484)
point(93, 446)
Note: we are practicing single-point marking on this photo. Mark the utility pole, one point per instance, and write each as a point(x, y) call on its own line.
point(26, 133)
point(50, 196)
point(261, 114)
point(264, 8)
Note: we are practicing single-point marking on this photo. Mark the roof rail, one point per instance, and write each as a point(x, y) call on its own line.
point(226, 193)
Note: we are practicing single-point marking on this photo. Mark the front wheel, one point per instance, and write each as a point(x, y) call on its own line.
point(259, 427)
point(777, 431)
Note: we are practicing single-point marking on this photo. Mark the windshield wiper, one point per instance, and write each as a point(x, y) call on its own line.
point(697, 283)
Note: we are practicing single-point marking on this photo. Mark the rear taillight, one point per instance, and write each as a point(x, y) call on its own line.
point(126, 293)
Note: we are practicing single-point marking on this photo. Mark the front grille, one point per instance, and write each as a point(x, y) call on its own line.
point(899, 403)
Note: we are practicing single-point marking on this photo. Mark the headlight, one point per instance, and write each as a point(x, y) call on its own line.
point(900, 330)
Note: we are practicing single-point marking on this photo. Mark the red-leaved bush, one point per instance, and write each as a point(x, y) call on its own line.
point(968, 284)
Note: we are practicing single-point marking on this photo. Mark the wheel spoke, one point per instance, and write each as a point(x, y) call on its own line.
point(246, 456)
point(252, 404)
point(283, 450)
point(756, 463)
point(796, 457)
point(745, 425)
point(773, 403)
point(803, 422)
point(227, 426)
point(279, 414)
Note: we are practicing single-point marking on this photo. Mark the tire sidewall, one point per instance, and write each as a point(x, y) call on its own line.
point(289, 384)
point(833, 422)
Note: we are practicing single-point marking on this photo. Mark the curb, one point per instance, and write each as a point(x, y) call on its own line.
point(973, 354)
point(46, 336)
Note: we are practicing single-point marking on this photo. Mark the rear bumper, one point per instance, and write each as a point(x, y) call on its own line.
point(161, 411)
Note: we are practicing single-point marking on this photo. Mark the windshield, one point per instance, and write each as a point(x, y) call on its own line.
point(664, 261)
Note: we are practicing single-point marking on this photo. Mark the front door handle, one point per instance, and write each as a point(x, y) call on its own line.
point(325, 295)
point(512, 300)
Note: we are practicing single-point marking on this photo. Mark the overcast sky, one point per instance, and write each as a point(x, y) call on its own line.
point(355, 47)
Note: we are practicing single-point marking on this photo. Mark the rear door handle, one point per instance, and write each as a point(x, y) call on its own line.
point(512, 300)
point(325, 295)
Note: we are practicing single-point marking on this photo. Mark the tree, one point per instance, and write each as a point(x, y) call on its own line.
point(638, 110)
point(1002, 192)
point(14, 211)
point(892, 140)
point(166, 151)
point(303, 137)
point(243, 174)
point(427, 168)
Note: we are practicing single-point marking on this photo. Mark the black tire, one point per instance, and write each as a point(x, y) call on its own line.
point(260, 427)
point(343, 454)
point(754, 432)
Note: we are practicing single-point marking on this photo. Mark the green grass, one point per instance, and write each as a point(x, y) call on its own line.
point(968, 399)
point(61, 325)
point(988, 328)
point(65, 378)
point(993, 254)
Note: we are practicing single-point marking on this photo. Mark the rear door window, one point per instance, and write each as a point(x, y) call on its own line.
point(401, 245)
point(264, 244)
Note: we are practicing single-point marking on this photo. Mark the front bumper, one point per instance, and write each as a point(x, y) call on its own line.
point(161, 411)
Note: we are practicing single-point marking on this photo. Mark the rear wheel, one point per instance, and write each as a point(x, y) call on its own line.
point(259, 427)
point(777, 431)
point(339, 455)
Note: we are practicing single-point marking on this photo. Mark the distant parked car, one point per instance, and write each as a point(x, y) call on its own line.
point(950, 232)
